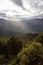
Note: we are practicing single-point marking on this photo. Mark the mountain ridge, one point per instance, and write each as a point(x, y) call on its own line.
point(33, 26)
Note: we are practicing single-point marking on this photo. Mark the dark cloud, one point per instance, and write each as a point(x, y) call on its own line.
point(35, 4)
point(18, 2)
point(2, 14)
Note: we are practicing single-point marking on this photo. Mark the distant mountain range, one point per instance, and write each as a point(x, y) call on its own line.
point(8, 27)
point(34, 25)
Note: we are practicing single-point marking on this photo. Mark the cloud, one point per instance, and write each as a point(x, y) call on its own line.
point(18, 2)
point(2, 14)
point(32, 6)
point(21, 9)
point(7, 5)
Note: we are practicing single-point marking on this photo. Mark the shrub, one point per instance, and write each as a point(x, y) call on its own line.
point(39, 38)
point(14, 45)
point(31, 55)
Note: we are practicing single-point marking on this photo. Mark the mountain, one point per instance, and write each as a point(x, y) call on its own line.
point(34, 25)
point(9, 27)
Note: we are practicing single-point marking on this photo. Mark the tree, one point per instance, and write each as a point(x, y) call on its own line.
point(14, 45)
point(2, 45)
point(31, 55)
point(39, 38)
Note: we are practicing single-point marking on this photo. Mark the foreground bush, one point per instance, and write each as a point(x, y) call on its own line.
point(32, 55)
point(39, 38)
point(14, 46)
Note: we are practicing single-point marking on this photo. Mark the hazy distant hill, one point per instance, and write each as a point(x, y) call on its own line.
point(7, 25)
point(34, 25)
point(9, 28)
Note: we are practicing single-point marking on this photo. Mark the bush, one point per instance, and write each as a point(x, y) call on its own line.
point(39, 38)
point(2, 45)
point(14, 45)
point(31, 55)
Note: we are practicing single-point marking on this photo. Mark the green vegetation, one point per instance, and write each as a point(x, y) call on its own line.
point(13, 51)
point(1, 57)
point(14, 45)
point(13, 60)
point(31, 55)
point(39, 38)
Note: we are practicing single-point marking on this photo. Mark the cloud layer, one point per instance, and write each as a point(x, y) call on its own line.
point(21, 9)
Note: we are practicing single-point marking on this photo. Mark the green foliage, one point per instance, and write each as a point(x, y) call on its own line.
point(1, 57)
point(28, 44)
point(13, 60)
point(3, 40)
point(39, 38)
point(14, 45)
point(2, 45)
point(31, 55)
point(11, 45)
point(14, 52)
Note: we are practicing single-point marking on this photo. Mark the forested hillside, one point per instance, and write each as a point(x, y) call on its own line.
point(26, 49)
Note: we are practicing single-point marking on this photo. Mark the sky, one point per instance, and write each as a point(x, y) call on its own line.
point(21, 9)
